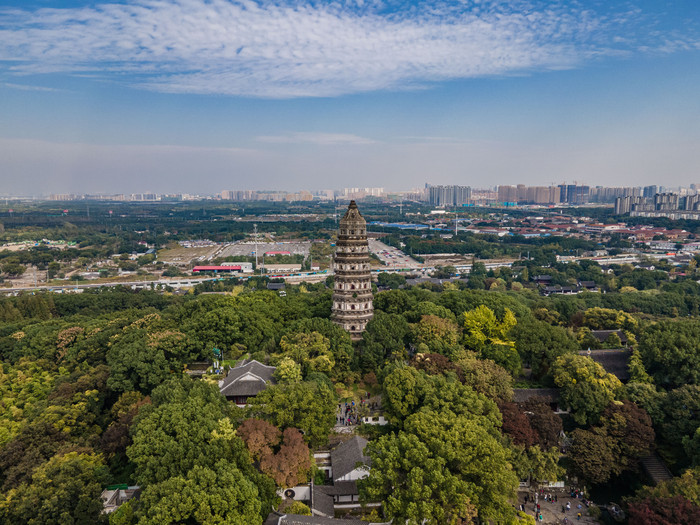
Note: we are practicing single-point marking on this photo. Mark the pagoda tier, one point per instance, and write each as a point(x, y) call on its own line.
point(352, 292)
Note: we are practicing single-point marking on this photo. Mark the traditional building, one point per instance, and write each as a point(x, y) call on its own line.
point(246, 381)
point(352, 292)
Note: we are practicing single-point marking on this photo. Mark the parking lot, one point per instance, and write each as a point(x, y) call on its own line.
point(248, 248)
point(392, 257)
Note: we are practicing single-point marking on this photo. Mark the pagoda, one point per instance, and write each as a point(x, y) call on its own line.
point(352, 290)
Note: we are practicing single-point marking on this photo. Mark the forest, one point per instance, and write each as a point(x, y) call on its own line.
point(95, 393)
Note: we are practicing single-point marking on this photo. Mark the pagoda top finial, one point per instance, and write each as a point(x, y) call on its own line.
point(352, 214)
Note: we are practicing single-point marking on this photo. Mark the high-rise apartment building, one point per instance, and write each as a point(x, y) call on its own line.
point(449, 195)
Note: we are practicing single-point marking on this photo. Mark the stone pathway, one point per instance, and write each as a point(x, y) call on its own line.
point(551, 512)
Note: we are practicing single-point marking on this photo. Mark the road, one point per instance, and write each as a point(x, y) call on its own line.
point(402, 266)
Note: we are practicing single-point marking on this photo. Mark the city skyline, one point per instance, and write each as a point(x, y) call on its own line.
point(194, 96)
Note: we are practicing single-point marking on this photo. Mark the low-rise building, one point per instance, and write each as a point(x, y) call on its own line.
point(246, 381)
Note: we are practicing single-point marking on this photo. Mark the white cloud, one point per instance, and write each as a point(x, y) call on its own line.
point(318, 139)
point(275, 49)
point(26, 87)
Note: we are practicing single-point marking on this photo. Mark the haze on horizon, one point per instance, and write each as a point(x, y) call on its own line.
point(198, 96)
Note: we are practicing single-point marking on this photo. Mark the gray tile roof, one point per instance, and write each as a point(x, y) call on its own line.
point(602, 335)
point(247, 380)
point(322, 503)
point(340, 488)
point(294, 519)
point(346, 456)
point(615, 362)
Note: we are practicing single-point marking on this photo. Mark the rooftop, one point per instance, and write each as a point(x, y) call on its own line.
point(347, 455)
point(248, 379)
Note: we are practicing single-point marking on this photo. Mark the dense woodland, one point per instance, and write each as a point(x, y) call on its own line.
point(94, 390)
point(93, 393)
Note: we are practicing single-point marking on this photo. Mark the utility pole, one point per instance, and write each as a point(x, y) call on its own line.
point(255, 239)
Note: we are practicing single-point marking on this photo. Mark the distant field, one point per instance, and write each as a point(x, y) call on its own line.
point(184, 256)
point(294, 248)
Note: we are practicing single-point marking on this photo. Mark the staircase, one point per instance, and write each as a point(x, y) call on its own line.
point(655, 468)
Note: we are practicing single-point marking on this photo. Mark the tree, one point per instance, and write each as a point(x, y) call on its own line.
point(185, 441)
point(340, 343)
point(13, 269)
point(670, 351)
point(384, 338)
point(629, 432)
point(539, 344)
point(299, 508)
point(392, 302)
point(585, 386)
point(36, 443)
point(391, 280)
point(23, 387)
point(428, 308)
point(608, 319)
point(546, 423)
point(591, 456)
point(438, 334)
point(686, 485)
point(219, 494)
point(419, 478)
point(307, 406)
point(259, 437)
point(310, 350)
point(488, 336)
point(53, 269)
point(680, 411)
point(405, 391)
point(517, 425)
point(65, 489)
point(117, 436)
point(434, 364)
point(486, 377)
point(142, 359)
point(647, 397)
point(638, 373)
point(536, 464)
point(288, 371)
point(675, 510)
point(290, 466)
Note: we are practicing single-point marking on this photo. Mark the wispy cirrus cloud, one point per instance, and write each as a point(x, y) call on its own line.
point(318, 139)
point(302, 48)
point(27, 87)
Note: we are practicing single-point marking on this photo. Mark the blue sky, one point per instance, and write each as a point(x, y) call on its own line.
point(204, 95)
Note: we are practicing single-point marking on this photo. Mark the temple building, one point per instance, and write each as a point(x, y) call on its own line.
point(352, 291)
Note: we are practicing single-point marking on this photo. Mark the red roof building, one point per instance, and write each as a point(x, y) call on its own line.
point(216, 269)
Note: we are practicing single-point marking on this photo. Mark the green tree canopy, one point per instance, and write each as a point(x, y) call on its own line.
point(438, 334)
point(420, 478)
point(539, 344)
point(670, 351)
point(219, 494)
point(586, 388)
point(65, 489)
point(488, 335)
point(307, 406)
